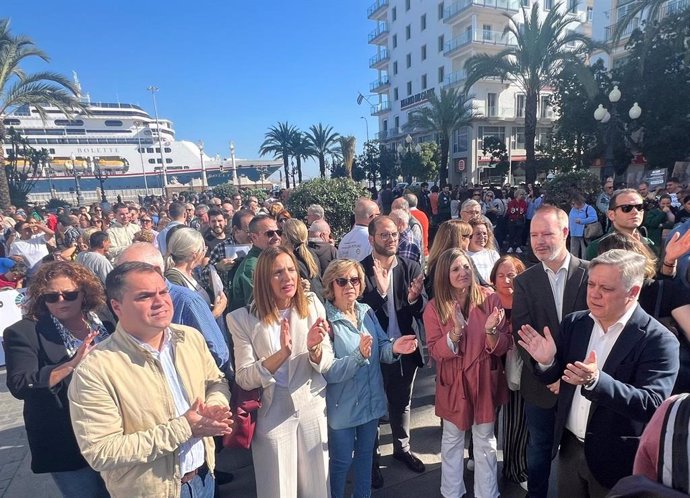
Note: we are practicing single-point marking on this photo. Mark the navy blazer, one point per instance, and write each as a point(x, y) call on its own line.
point(408, 315)
point(33, 350)
point(637, 377)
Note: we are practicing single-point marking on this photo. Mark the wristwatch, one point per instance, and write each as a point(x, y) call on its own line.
point(492, 331)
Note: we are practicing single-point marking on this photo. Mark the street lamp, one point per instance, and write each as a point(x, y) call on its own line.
point(406, 151)
point(615, 125)
point(204, 180)
point(100, 174)
point(153, 90)
point(367, 125)
point(77, 176)
point(235, 180)
point(262, 173)
point(137, 125)
point(47, 172)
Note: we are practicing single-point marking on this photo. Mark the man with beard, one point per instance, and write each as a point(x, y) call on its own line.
point(395, 291)
point(121, 231)
point(543, 295)
point(216, 230)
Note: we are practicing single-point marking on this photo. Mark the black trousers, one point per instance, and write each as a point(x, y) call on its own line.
point(574, 476)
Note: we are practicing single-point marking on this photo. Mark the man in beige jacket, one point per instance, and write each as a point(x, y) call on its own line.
point(146, 402)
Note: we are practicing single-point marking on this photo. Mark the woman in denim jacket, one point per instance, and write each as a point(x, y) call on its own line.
point(355, 398)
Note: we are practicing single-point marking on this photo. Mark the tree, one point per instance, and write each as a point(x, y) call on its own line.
point(22, 166)
point(347, 152)
point(496, 149)
point(446, 112)
point(560, 189)
point(421, 165)
point(37, 91)
point(323, 141)
point(370, 161)
point(541, 51)
point(278, 141)
point(300, 149)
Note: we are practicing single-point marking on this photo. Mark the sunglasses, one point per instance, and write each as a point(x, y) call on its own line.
point(342, 282)
point(54, 297)
point(271, 233)
point(626, 208)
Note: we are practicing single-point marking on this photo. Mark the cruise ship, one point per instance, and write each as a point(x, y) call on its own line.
point(126, 148)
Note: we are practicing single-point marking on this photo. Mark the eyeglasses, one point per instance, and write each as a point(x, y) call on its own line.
point(54, 297)
point(389, 235)
point(626, 208)
point(272, 233)
point(342, 282)
point(146, 220)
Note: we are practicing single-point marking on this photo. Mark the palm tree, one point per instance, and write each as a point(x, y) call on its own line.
point(279, 142)
point(347, 152)
point(323, 141)
point(300, 149)
point(446, 112)
point(37, 90)
point(541, 51)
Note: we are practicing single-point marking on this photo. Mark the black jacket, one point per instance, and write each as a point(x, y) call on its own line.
point(325, 252)
point(32, 351)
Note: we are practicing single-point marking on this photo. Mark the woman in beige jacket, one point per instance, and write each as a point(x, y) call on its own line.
point(280, 347)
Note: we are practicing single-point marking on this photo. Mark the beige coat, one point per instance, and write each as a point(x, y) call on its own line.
point(124, 417)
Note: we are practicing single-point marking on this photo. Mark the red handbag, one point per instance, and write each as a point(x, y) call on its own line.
point(244, 405)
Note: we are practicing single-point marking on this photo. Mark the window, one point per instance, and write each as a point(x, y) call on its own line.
point(51, 151)
point(589, 14)
point(149, 150)
point(546, 111)
point(407, 5)
point(460, 140)
point(486, 32)
point(395, 67)
point(422, 22)
point(543, 136)
point(394, 13)
point(397, 122)
point(525, 3)
point(517, 141)
point(520, 105)
point(167, 150)
point(408, 32)
point(572, 5)
point(409, 88)
point(11, 122)
point(441, 43)
point(152, 161)
point(441, 74)
point(440, 11)
point(548, 4)
point(408, 60)
point(168, 160)
point(68, 122)
point(423, 52)
point(113, 122)
point(491, 102)
point(424, 82)
point(395, 93)
point(395, 41)
point(490, 131)
point(385, 125)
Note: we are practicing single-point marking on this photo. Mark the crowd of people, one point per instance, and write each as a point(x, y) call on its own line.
point(140, 318)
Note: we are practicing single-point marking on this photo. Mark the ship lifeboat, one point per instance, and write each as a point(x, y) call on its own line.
point(112, 163)
point(65, 164)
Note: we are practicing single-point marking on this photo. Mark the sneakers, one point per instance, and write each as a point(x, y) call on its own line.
point(518, 250)
point(470, 465)
point(413, 463)
point(510, 250)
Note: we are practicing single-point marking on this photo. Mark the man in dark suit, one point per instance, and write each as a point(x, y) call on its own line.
point(543, 295)
point(395, 291)
point(617, 363)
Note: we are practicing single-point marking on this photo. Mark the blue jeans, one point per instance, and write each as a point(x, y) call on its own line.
point(199, 487)
point(540, 425)
point(82, 483)
point(341, 445)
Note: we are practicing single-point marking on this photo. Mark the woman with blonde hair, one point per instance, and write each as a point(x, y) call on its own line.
point(296, 238)
point(279, 347)
point(186, 250)
point(467, 334)
point(451, 233)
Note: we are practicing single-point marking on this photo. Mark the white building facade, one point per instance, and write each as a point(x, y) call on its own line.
point(422, 46)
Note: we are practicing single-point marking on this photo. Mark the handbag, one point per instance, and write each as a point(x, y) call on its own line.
point(593, 230)
point(244, 405)
point(513, 367)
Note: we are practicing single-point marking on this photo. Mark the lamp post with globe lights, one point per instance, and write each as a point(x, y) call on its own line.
point(204, 180)
point(405, 154)
point(615, 126)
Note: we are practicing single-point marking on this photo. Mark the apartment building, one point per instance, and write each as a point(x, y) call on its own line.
point(421, 46)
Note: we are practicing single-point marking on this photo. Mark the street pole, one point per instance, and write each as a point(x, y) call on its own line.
point(367, 126)
point(153, 90)
point(204, 180)
point(80, 196)
point(235, 180)
point(137, 124)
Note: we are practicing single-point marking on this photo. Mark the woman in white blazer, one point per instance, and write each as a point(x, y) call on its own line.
point(280, 347)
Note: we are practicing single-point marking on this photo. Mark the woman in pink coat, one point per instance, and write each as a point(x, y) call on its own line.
point(466, 334)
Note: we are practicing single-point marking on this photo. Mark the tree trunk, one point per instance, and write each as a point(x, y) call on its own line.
point(299, 169)
point(443, 168)
point(286, 167)
point(5, 201)
point(530, 134)
point(322, 165)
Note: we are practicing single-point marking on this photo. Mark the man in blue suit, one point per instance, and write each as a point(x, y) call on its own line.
point(617, 365)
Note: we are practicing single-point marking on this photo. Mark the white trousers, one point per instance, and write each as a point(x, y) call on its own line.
point(290, 449)
point(485, 461)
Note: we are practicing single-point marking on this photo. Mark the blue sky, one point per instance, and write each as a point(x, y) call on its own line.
point(227, 70)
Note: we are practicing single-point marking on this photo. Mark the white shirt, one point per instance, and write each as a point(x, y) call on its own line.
point(393, 327)
point(557, 281)
point(484, 260)
point(355, 244)
point(191, 451)
point(281, 375)
point(601, 342)
point(33, 249)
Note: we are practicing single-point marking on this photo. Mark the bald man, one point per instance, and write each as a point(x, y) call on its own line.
point(355, 244)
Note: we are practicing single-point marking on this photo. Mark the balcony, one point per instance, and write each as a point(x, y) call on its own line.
point(611, 30)
point(495, 112)
point(379, 59)
point(452, 14)
point(379, 34)
point(376, 9)
point(673, 8)
point(380, 108)
point(380, 84)
point(382, 135)
point(455, 79)
point(484, 37)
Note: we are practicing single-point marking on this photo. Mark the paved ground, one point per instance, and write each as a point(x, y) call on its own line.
point(17, 480)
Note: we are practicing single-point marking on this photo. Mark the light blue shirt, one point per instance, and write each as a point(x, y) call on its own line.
point(586, 214)
point(191, 451)
point(162, 235)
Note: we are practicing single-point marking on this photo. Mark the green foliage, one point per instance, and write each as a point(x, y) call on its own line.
point(22, 167)
point(259, 193)
point(224, 190)
point(561, 187)
point(278, 142)
point(496, 149)
point(336, 195)
point(420, 165)
point(227, 190)
point(55, 203)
